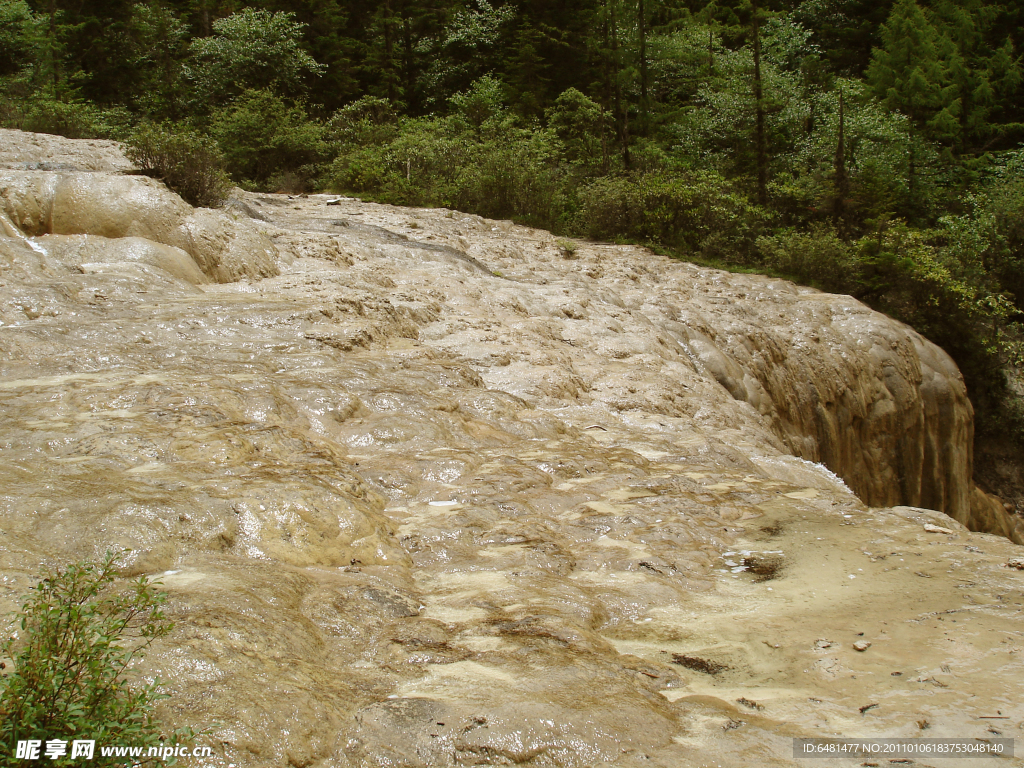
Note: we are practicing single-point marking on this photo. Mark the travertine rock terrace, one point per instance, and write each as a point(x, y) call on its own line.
point(426, 489)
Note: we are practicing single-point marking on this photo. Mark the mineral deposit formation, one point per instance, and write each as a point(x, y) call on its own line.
point(427, 490)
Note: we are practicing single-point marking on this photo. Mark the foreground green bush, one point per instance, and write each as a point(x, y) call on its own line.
point(188, 162)
point(495, 169)
point(79, 634)
point(515, 173)
point(419, 164)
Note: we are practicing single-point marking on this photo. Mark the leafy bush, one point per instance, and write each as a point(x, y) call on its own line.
point(262, 136)
point(188, 162)
point(818, 257)
point(1003, 204)
point(697, 211)
point(420, 165)
point(495, 169)
point(514, 174)
point(932, 279)
point(368, 121)
point(251, 49)
point(73, 119)
point(79, 637)
point(567, 247)
point(925, 278)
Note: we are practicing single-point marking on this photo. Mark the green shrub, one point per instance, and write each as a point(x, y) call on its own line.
point(188, 162)
point(79, 635)
point(514, 174)
point(495, 169)
point(73, 119)
point(421, 165)
point(367, 121)
point(1004, 204)
point(818, 257)
point(366, 170)
point(60, 118)
point(697, 211)
point(567, 247)
point(262, 136)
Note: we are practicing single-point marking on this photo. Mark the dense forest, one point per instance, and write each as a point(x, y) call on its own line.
point(862, 146)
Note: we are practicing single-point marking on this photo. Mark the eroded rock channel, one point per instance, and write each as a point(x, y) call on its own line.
point(431, 490)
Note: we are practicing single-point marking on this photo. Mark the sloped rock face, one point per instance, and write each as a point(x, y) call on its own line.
point(871, 399)
point(89, 203)
point(989, 514)
point(431, 494)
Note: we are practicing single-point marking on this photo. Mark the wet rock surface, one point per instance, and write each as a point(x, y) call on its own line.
point(431, 494)
point(109, 206)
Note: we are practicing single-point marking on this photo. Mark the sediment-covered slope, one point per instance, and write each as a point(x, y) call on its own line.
point(430, 490)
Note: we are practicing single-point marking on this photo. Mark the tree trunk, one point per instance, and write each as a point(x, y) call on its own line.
point(389, 52)
point(408, 65)
point(912, 177)
point(204, 19)
point(644, 77)
point(54, 66)
point(759, 138)
point(842, 180)
point(621, 118)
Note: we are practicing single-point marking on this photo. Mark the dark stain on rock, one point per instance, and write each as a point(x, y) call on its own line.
point(698, 664)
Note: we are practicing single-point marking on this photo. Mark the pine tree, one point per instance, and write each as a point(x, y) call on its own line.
point(906, 72)
point(159, 44)
point(841, 177)
point(528, 71)
point(382, 58)
point(909, 76)
point(979, 75)
point(645, 75)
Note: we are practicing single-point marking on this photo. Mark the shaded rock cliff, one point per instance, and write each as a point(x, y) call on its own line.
point(425, 492)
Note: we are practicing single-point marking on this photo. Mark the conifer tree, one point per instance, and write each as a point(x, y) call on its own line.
point(979, 76)
point(906, 72)
point(841, 177)
point(908, 75)
point(528, 71)
point(382, 57)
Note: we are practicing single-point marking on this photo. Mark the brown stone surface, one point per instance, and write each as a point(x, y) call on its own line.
point(436, 495)
point(989, 514)
point(113, 206)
